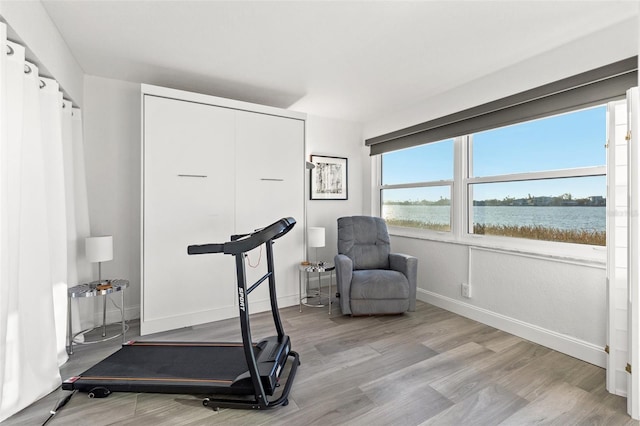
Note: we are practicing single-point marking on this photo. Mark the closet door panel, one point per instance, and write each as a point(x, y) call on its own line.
point(188, 199)
point(270, 186)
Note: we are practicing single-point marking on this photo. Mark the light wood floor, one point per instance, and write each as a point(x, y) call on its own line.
point(429, 367)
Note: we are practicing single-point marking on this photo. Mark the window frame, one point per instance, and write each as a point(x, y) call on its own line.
point(462, 203)
point(398, 230)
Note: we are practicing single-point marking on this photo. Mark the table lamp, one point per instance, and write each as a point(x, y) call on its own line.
point(315, 237)
point(99, 249)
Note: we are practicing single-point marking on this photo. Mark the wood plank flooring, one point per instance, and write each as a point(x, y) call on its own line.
point(429, 367)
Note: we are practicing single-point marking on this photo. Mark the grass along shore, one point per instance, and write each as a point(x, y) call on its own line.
point(532, 232)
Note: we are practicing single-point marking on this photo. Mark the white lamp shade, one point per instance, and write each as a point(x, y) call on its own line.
point(99, 249)
point(316, 236)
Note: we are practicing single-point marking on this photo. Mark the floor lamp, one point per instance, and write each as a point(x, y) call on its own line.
point(98, 250)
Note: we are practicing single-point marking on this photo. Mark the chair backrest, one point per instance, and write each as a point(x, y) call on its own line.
point(365, 240)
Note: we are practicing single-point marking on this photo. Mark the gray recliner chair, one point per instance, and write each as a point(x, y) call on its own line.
point(370, 279)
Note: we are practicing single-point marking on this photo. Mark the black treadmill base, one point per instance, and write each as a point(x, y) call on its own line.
point(282, 400)
point(209, 368)
point(185, 367)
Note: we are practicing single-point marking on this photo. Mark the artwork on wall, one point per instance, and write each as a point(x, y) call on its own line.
point(328, 178)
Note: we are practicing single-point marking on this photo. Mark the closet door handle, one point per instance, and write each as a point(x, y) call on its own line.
point(193, 176)
point(272, 179)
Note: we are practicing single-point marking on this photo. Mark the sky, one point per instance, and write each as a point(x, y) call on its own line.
point(566, 141)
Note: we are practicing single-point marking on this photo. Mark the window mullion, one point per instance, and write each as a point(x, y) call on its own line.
point(418, 184)
point(547, 174)
point(376, 187)
point(459, 200)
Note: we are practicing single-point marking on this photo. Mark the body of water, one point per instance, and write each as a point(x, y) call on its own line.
point(582, 218)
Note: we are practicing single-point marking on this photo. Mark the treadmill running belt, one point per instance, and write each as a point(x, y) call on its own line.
point(201, 363)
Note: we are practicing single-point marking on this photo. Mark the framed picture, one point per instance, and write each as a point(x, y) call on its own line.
point(328, 178)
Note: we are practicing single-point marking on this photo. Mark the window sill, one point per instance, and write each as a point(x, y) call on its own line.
point(595, 256)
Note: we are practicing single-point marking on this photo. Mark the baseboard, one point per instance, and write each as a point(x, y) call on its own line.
point(265, 304)
point(560, 342)
point(133, 312)
point(114, 315)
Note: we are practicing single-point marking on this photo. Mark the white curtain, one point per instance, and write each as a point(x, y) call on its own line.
point(37, 245)
point(79, 270)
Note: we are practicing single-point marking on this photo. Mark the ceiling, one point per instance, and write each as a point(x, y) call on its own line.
point(353, 60)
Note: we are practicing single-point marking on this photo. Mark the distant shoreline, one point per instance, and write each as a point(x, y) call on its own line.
point(593, 201)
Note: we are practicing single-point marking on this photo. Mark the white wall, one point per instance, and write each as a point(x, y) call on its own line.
point(29, 21)
point(112, 136)
point(337, 138)
point(113, 164)
point(112, 151)
point(600, 48)
point(558, 304)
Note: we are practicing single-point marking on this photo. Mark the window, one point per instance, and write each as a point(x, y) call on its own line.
point(417, 185)
point(426, 207)
point(542, 180)
point(564, 141)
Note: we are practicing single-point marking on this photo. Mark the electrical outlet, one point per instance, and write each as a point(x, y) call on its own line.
point(466, 290)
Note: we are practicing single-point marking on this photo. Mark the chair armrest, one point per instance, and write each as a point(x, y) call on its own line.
point(344, 272)
point(408, 265)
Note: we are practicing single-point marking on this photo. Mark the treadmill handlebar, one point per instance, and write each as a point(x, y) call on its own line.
point(247, 242)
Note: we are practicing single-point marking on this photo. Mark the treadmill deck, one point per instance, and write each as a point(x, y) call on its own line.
point(182, 367)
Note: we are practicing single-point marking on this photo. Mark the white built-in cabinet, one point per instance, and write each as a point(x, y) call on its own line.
point(214, 167)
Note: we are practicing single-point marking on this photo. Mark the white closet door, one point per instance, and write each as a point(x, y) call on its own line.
point(270, 186)
point(188, 198)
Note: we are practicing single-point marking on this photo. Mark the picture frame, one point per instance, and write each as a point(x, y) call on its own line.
point(329, 178)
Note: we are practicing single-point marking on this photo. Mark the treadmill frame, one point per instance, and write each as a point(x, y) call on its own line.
point(238, 247)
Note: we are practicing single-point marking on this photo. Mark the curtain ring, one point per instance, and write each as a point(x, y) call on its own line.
point(27, 69)
point(9, 50)
point(42, 84)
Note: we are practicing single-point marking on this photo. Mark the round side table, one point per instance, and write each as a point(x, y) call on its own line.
point(305, 270)
point(95, 289)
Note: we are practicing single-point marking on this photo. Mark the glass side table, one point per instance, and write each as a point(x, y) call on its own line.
point(305, 270)
point(95, 289)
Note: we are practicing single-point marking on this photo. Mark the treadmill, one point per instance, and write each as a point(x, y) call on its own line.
point(245, 373)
